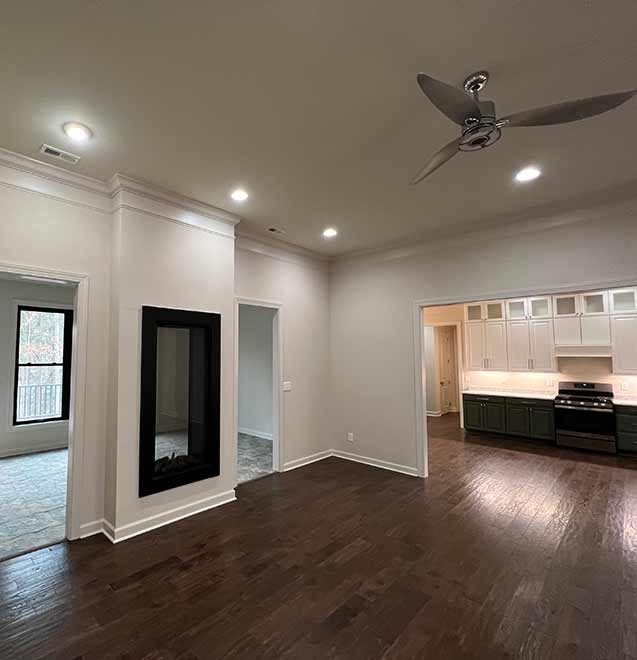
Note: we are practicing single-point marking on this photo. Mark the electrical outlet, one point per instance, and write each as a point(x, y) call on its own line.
point(287, 385)
point(350, 436)
point(623, 387)
point(550, 382)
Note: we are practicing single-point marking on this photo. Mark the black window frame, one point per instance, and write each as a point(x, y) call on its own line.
point(65, 364)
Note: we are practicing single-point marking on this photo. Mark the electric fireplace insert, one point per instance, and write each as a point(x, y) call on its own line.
point(180, 398)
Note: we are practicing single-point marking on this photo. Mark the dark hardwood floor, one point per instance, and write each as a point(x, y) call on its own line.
point(510, 549)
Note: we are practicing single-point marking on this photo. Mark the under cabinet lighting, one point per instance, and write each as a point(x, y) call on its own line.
point(330, 232)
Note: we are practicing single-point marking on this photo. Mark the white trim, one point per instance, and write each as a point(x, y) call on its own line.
point(255, 433)
point(281, 250)
point(148, 194)
point(432, 413)
point(76, 440)
point(307, 460)
point(32, 449)
point(278, 436)
point(536, 220)
point(375, 462)
point(118, 534)
point(91, 528)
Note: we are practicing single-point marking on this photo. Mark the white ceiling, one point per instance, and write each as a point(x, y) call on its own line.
point(314, 107)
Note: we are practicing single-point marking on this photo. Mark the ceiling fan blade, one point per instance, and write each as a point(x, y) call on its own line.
point(445, 154)
point(451, 101)
point(562, 113)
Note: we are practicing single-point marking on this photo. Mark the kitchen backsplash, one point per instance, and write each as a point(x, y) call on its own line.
point(594, 369)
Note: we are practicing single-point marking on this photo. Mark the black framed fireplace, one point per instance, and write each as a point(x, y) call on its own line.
point(180, 398)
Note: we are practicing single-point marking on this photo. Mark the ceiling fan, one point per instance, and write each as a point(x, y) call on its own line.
point(480, 125)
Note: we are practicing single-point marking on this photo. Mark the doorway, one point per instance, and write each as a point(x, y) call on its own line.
point(257, 390)
point(445, 340)
point(37, 319)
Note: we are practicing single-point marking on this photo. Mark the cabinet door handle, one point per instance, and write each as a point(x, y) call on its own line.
point(532, 363)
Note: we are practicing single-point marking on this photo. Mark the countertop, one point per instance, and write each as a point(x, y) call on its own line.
point(522, 395)
point(618, 401)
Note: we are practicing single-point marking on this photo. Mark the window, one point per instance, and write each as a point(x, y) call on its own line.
point(43, 365)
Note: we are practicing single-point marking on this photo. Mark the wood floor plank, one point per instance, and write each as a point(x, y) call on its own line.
point(510, 549)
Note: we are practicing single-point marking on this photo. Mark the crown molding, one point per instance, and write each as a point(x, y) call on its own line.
point(34, 176)
point(279, 250)
point(122, 183)
point(528, 223)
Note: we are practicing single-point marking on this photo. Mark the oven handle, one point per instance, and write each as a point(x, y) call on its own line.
point(597, 410)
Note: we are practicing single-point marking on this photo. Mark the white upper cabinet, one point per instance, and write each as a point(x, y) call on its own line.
point(540, 307)
point(486, 346)
point(624, 344)
point(542, 345)
point(519, 345)
point(516, 309)
point(495, 339)
point(581, 319)
point(491, 310)
point(594, 304)
point(565, 306)
point(476, 360)
point(474, 312)
point(623, 301)
point(494, 310)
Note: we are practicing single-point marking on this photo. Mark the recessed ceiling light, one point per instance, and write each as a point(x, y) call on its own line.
point(527, 174)
point(77, 132)
point(239, 195)
point(330, 232)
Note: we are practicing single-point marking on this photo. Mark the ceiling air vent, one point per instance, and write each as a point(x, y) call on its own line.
point(276, 230)
point(60, 154)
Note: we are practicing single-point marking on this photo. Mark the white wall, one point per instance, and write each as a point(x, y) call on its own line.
point(255, 370)
point(372, 298)
point(47, 224)
point(164, 263)
point(301, 285)
point(16, 440)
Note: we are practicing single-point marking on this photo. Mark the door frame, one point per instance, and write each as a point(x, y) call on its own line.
point(76, 446)
point(278, 444)
point(417, 306)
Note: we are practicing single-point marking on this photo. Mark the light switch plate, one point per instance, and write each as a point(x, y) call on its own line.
point(287, 385)
point(350, 436)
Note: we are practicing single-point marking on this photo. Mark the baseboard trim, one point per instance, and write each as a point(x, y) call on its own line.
point(11, 453)
point(91, 528)
point(119, 534)
point(307, 460)
point(433, 414)
point(255, 433)
point(374, 462)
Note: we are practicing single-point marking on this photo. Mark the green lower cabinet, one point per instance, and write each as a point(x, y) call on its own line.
point(542, 423)
point(530, 418)
point(495, 417)
point(473, 415)
point(626, 420)
point(518, 419)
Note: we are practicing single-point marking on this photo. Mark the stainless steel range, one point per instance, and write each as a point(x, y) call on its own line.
point(585, 416)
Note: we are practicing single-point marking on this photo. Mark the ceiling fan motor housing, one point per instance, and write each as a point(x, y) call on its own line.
point(480, 132)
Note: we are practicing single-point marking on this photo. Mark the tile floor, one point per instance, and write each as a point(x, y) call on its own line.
point(254, 454)
point(32, 501)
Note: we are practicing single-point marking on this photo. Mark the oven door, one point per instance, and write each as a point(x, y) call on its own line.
point(585, 423)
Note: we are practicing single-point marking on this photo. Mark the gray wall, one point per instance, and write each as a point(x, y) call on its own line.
point(16, 440)
point(301, 286)
point(255, 370)
point(372, 298)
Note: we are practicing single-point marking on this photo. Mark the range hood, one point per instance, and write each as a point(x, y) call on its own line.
point(584, 351)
